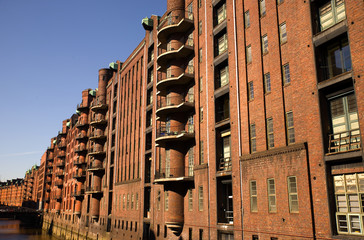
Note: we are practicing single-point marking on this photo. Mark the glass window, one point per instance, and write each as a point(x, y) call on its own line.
point(338, 58)
point(201, 153)
point(290, 128)
point(253, 144)
point(286, 74)
point(272, 195)
point(270, 133)
point(221, 13)
point(199, 27)
point(190, 200)
point(200, 198)
point(292, 194)
point(331, 13)
point(222, 44)
point(248, 54)
point(247, 19)
point(200, 55)
point(283, 33)
point(267, 85)
point(251, 90)
point(265, 44)
point(262, 8)
point(253, 196)
point(166, 200)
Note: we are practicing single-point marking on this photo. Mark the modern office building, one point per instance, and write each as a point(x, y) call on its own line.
point(230, 120)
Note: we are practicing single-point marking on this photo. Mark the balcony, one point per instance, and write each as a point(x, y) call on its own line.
point(82, 107)
point(164, 83)
point(59, 173)
point(167, 55)
point(97, 105)
point(50, 157)
point(78, 175)
point(61, 133)
point(95, 166)
point(46, 199)
point(94, 190)
point(82, 123)
point(173, 175)
point(169, 105)
point(96, 151)
point(175, 22)
point(169, 134)
point(94, 136)
point(78, 162)
point(58, 183)
point(81, 136)
point(48, 181)
point(50, 148)
point(80, 148)
point(62, 145)
point(78, 193)
point(99, 120)
point(57, 196)
point(344, 142)
point(48, 188)
point(60, 163)
point(49, 172)
point(50, 165)
point(224, 164)
point(61, 154)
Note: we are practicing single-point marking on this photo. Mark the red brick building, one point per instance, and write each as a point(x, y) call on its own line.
point(230, 120)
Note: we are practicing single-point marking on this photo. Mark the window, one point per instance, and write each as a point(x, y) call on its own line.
point(190, 200)
point(251, 90)
point(190, 161)
point(200, 198)
point(349, 196)
point(222, 44)
point(200, 234)
point(286, 74)
point(201, 84)
point(255, 237)
point(282, 33)
point(247, 19)
point(136, 202)
point(272, 195)
point(190, 67)
point(267, 86)
point(222, 76)
point(337, 58)
point(253, 196)
point(290, 128)
point(190, 11)
point(201, 153)
point(270, 135)
point(199, 3)
point(253, 144)
point(166, 200)
point(201, 114)
point(280, 1)
point(248, 54)
point(132, 201)
point(345, 134)
point(168, 163)
point(159, 200)
point(332, 12)
point(262, 8)
point(225, 236)
point(221, 14)
point(292, 194)
point(199, 27)
point(124, 201)
point(127, 202)
point(200, 55)
point(265, 44)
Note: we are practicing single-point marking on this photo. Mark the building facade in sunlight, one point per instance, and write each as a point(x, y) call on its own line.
point(229, 120)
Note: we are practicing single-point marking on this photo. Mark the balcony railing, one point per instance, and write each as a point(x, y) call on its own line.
point(173, 19)
point(229, 215)
point(98, 120)
point(78, 193)
point(97, 104)
point(225, 164)
point(81, 123)
point(59, 173)
point(93, 189)
point(164, 131)
point(81, 135)
point(174, 173)
point(80, 148)
point(60, 164)
point(79, 174)
point(95, 166)
point(344, 141)
point(62, 133)
point(61, 154)
point(164, 48)
point(82, 106)
point(78, 161)
point(97, 134)
point(62, 145)
point(96, 150)
point(174, 101)
point(58, 182)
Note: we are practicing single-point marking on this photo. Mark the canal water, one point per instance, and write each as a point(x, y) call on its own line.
point(14, 230)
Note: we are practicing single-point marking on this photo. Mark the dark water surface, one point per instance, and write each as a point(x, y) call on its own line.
point(14, 230)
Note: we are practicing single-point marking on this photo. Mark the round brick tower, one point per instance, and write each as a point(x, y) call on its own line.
point(97, 152)
point(175, 109)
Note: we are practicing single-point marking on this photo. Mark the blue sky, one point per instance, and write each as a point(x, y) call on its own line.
point(51, 50)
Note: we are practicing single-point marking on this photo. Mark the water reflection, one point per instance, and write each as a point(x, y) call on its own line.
point(14, 230)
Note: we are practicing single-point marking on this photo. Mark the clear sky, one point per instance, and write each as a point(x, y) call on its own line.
point(51, 50)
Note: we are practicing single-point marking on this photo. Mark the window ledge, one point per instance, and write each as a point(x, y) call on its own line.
point(330, 33)
point(344, 156)
point(337, 79)
point(219, 27)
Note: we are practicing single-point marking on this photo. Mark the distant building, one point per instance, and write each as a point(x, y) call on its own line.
point(230, 120)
